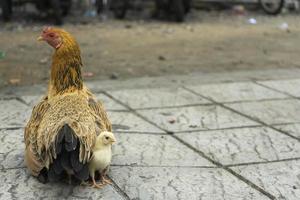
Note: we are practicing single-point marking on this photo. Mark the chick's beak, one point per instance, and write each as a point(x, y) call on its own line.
point(40, 38)
point(113, 140)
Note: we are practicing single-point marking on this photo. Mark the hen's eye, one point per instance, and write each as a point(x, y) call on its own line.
point(51, 35)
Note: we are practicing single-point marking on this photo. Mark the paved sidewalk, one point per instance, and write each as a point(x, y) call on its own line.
point(204, 136)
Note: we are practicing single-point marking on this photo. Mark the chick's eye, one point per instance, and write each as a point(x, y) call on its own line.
point(106, 138)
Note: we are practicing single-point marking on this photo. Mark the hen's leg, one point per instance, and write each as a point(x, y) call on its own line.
point(69, 179)
point(96, 185)
point(83, 183)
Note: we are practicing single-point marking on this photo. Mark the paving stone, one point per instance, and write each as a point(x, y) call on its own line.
point(128, 122)
point(289, 86)
point(149, 98)
point(243, 145)
point(281, 179)
point(13, 113)
point(136, 149)
point(18, 184)
point(243, 91)
point(108, 103)
point(181, 183)
point(32, 100)
point(11, 148)
point(195, 118)
point(271, 112)
point(160, 166)
point(150, 150)
point(293, 129)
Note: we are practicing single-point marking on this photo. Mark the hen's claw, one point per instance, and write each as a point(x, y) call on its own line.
point(85, 183)
point(106, 181)
point(97, 185)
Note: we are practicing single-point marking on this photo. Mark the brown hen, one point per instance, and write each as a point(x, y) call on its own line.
point(63, 127)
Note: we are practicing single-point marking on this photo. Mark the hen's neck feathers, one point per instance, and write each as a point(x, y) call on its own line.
point(66, 67)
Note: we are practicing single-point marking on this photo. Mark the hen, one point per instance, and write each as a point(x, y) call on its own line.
point(63, 127)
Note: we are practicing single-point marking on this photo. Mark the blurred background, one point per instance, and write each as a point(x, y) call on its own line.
point(121, 39)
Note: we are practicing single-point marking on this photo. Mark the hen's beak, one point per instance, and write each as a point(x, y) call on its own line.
point(40, 38)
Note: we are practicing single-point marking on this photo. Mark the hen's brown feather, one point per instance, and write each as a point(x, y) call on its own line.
point(79, 110)
point(33, 159)
point(98, 110)
point(62, 130)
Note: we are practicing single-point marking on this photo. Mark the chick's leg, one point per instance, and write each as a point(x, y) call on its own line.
point(103, 177)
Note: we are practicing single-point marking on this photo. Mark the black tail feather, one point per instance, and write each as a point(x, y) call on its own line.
point(58, 168)
point(52, 175)
point(58, 148)
point(69, 133)
point(67, 159)
point(70, 146)
point(83, 174)
point(59, 140)
point(76, 165)
point(43, 176)
point(70, 140)
point(61, 134)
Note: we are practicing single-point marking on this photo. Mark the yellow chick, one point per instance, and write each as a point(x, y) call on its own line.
point(101, 157)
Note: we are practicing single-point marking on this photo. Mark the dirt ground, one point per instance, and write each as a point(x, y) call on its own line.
point(207, 42)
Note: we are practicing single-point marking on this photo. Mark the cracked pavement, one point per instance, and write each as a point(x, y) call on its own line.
point(203, 136)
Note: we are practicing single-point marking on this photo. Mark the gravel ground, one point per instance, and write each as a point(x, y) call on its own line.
point(206, 42)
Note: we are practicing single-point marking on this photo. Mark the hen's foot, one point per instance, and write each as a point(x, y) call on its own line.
point(97, 185)
point(106, 181)
point(85, 184)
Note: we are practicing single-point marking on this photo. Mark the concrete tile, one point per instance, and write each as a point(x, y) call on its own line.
point(181, 183)
point(128, 122)
point(160, 97)
point(18, 184)
point(241, 91)
point(281, 179)
point(243, 145)
point(290, 86)
point(271, 112)
point(154, 150)
point(32, 100)
point(136, 149)
point(13, 113)
point(12, 148)
point(195, 118)
point(293, 129)
point(108, 103)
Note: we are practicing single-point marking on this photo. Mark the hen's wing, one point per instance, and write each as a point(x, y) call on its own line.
point(32, 158)
point(61, 134)
point(69, 111)
point(98, 110)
